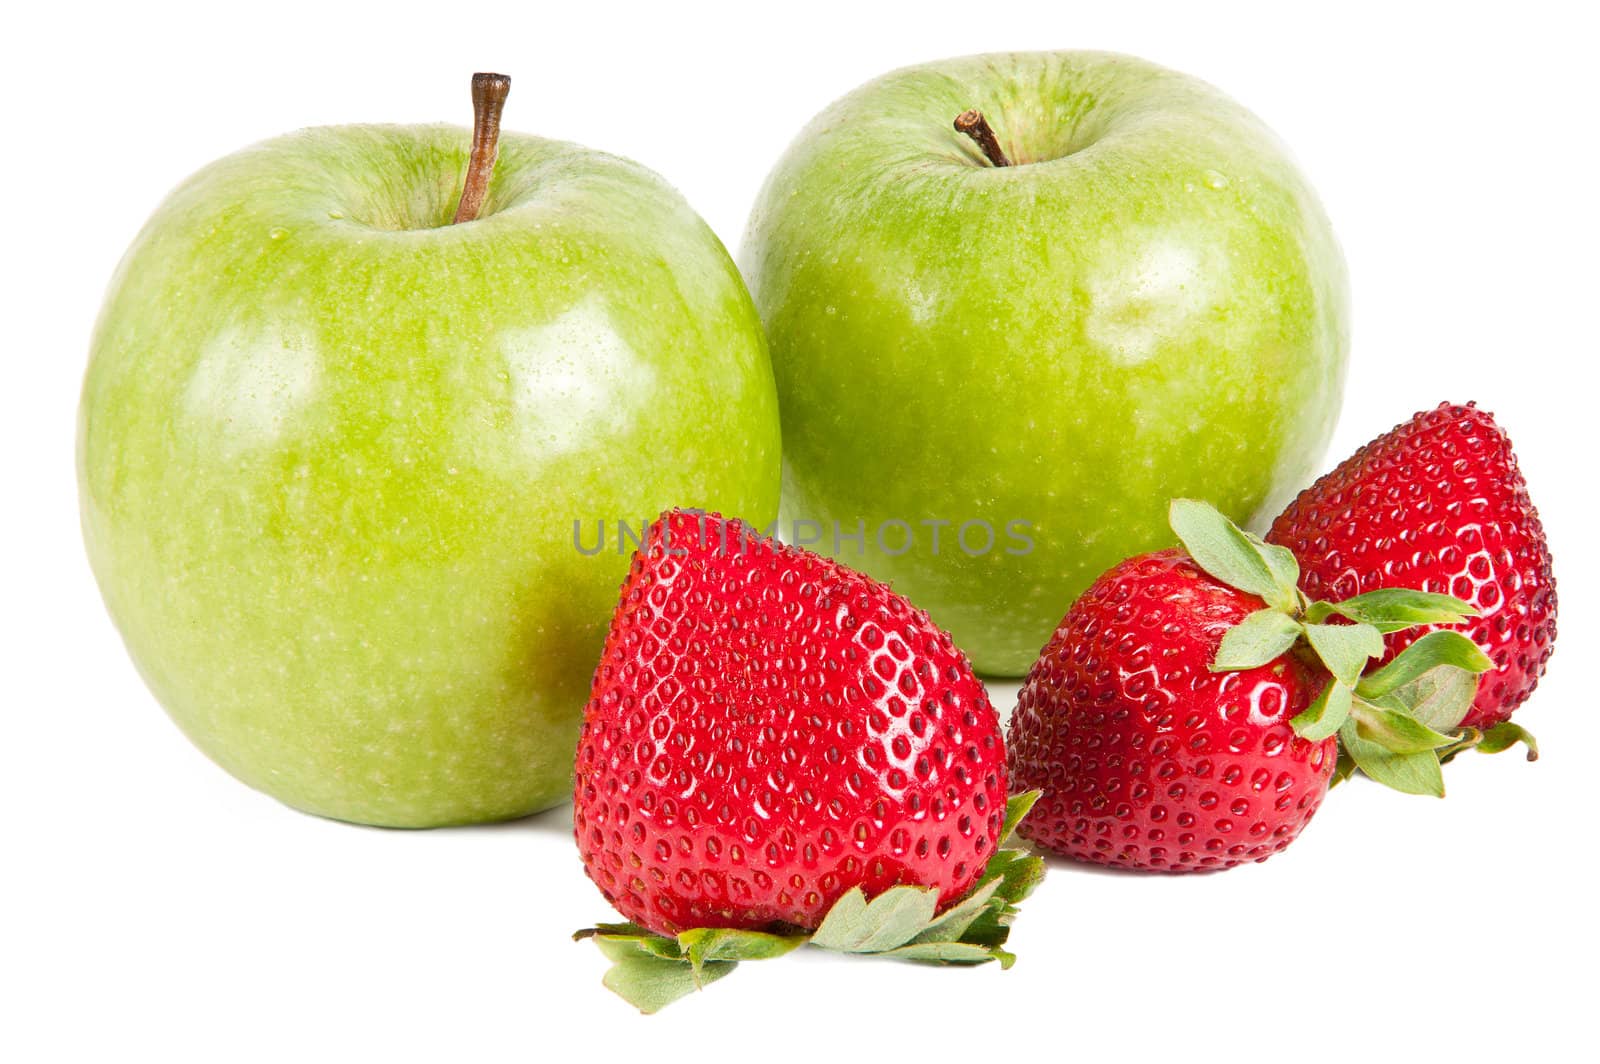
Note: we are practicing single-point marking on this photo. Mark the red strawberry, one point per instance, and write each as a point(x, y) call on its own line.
point(1439, 505)
point(768, 730)
point(1149, 759)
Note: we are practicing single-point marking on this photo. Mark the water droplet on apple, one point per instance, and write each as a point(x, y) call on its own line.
point(1215, 179)
point(278, 232)
point(336, 215)
point(831, 310)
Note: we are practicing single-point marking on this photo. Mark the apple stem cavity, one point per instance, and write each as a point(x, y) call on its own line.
point(974, 125)
point(489, 92)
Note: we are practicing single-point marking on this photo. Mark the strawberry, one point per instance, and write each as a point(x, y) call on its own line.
point(779, 749)
point(1181, 718)
point(1147, 758)
point(1438, 504)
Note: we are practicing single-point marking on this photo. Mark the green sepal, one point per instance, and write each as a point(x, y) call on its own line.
point(1416, 773)
point(952, 924)
point(1440, 698)
point(1395, 730)
point(943, 953)
point(1504, 736)
point(651, 983)
point(1345, 649)
point(984, 915)
point(707, 945)
point(1015, 873)
point(651, 971)
point(615, 940)
point(1466, 739)
point(615, 930)
point(1017, 807)
point(1497, 739)
point(1326, 714)
point(1407, 707)
point(1392, 609)
point(1219, 547)
point(1432, 651)
point(1343, 768)
point(893, 918)
point(1281, 561)
point(992, 925)
point(1256, 640)
point(903, 916)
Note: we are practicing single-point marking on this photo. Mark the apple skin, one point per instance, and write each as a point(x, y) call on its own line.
point(331, 450)
point(1151, 305)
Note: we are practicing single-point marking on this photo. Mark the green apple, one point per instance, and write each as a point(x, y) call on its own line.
point(333, 450)
point(1146, 302)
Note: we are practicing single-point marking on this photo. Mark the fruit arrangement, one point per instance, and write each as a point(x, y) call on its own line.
point(1183, 715)
point(359, 395)
point(768, 761)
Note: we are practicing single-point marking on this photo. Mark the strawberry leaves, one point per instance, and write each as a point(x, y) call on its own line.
point(1256, 640)
point(1326, 714)
point(1410, 773)
point(1393, 608)
point(1233, 556)
point(651, 971)
point(1345, 649)
point(1398, 723)
point(1432, 651)
point(1402, 721)
point(1504, 736)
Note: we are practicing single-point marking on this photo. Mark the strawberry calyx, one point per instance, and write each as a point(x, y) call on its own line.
point(651, 971)
point(1397, 723)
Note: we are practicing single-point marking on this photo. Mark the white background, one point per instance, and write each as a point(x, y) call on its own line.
point(151, 905)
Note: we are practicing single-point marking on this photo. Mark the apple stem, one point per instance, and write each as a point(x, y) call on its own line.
point(974, 125)
point(489, 92)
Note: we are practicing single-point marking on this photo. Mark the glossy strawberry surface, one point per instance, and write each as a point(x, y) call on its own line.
point(1438, 504)
point(768, 729)
point(1146, 757)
